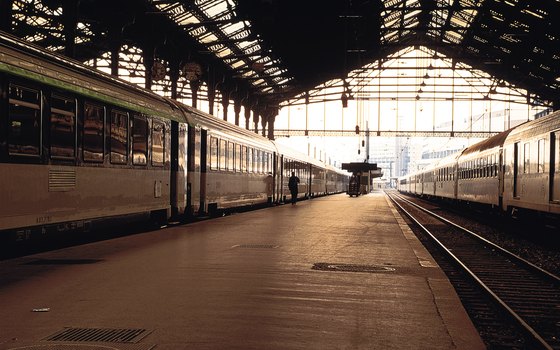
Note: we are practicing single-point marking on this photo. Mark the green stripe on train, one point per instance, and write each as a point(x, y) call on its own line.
point(80, 90)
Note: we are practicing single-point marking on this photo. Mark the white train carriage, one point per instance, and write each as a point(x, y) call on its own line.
point(403, 184)
point(480, 173)
point(336, 180)
point(318, 178)
point(532, 166)
point(229, 167)
point(445, 173)
point(428, 185)
point(77, 145)
point(415, 183)
point(288, 161)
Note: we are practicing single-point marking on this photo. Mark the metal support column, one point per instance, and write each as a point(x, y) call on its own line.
point(70, 21)
point(148, 65)
point(225, 103)
point(194, 85)
point(237, 109)
point(271, 119)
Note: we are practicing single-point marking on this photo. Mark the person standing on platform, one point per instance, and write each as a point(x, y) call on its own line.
point(293, 186)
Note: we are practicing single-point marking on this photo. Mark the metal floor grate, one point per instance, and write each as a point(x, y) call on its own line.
point(256, 246)
point(73, 346)
point(108, 335)
point(352, 268)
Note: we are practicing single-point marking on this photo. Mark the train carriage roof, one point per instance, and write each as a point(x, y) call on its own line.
point(293, 154)
point(222, 128)
point(337, 170)
point(536, 127)
point(30, 62)
point(490, 143)
point(447, 161)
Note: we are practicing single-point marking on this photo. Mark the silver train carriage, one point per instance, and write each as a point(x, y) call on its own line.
point(516, 170)
point(78, 146)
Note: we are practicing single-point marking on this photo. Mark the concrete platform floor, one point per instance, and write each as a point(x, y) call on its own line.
point(328, 273)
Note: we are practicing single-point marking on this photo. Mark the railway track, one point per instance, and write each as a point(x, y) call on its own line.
point(528, 295)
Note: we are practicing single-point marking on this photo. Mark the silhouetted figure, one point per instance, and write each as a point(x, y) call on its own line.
point(293, 186)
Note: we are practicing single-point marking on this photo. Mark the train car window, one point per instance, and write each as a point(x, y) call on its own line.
point(139, 140)
point(63, 127)
point(158, 143)
point(231, 156)
point(557, 151)
point(93, 138)
point(24, 121)
point(250, 166)
point(213, 153)
point(541, 160)
point(479, 168)
point(238, 158)
point(258, 161)
point(266, 158)
point(244, 159)
point(526, 158)
point(223, 154)
point(119, 137)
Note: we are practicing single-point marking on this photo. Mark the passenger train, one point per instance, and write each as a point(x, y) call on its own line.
point(78, 147)
point(515, 171)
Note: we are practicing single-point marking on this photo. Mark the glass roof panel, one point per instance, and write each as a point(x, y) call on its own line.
point(226, 35)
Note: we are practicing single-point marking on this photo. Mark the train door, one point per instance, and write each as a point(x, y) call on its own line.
point(193, 169)
point(203, 165)
point(455, 179)
point(175, 180)
point(501, 176)
point(179, 169)
point(555, 167)
point(516, 164)
point(277, 176)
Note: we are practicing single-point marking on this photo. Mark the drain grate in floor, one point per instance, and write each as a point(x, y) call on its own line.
point(74, 346)
point(256, 246)
point(352, 268)
point(108, 335)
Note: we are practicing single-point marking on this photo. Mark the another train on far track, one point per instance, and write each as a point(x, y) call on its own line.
point(516, 171)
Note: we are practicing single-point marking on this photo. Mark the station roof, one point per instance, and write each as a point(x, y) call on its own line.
point(277, 49)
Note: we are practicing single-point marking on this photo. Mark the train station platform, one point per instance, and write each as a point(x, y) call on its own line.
point(328, 273)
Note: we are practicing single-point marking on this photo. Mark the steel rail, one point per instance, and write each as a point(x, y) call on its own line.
point(528, 329)
point(546, 274)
